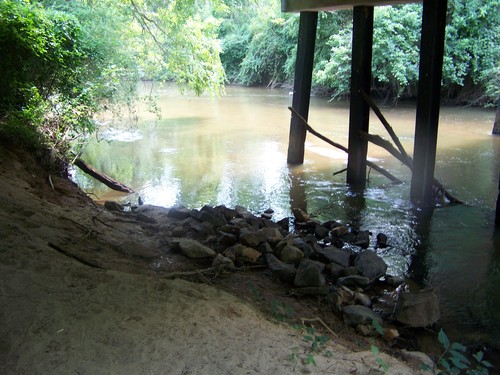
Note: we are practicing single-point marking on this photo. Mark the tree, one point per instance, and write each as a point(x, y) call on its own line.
point(63, 61)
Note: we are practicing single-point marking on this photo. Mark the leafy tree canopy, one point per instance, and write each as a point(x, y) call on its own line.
point(63, 61)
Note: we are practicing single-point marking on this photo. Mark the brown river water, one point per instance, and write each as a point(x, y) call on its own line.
point(232, 151)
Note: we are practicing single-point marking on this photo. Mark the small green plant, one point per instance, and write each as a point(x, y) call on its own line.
point(254, 291)
point(454, 359)
point(317, 343)
point(281, 311)
point(382, 365)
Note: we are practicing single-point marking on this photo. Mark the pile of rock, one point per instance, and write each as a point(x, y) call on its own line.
point(327, 259)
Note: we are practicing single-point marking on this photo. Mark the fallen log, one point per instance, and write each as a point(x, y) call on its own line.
point(380, 170)
point(105, 179)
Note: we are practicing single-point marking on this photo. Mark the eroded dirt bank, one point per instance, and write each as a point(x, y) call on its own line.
point(83, 291)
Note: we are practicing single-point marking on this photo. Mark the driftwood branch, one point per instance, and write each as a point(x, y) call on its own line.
point(387, 126)
point(381, 170)
point(379, 141)
point(401, 155)
point(105, 179)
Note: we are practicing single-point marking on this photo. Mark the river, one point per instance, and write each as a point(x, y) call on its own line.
point(232, 151)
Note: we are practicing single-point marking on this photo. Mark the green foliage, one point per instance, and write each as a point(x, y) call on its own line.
point(44, 72)
point(316, 345)
point(63, 62)
point(454, 359)
point(178, 40)
point(258, 43)
point(281, 311)
point(384, 366)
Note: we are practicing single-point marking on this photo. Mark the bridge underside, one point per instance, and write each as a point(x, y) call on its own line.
point(429, 86)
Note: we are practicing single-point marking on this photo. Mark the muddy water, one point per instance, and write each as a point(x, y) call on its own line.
point(232, 150)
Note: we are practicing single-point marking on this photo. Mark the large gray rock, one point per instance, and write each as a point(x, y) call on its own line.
point(356, 315)
point(370, 265)
point(309, 274)
point(303, 246)
point(333, 270)
point(291, 254)
point(179, 213)
point(363, 239)
point(284, 271)
point(418, 309)
point(226, 239)
point(354, 281)
point(209, 216)
point(246, 254)
point(272, 235)
point(252, 237)
point(191, 248)
point(332, 254)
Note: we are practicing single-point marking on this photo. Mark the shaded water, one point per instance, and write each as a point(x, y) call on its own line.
point(232, 151)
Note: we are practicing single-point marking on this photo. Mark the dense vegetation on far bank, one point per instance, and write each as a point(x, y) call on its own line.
point(64, 61)
point(259, 44)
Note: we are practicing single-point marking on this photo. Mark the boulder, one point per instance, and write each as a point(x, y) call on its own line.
point(354, 281)
point(246, 254)
point(417, 309)
point(226, 239)
point(356, 315)
point(381, 240)
point(252, 237)
point(191, 248)
point(243, 212)
point(363, 239)
point(291, 254)
point(362, 299)
point(272, 235)
point(228, 213)
point(332, 254)
point(340, 231)
point(308, 275)
point(370, 265)
point(179, 213)
point(333, 271)
point(208, 216)
point(303, 246)
point(284, 271)
point(221, 260)
point(350, 271)
point(320, 231)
